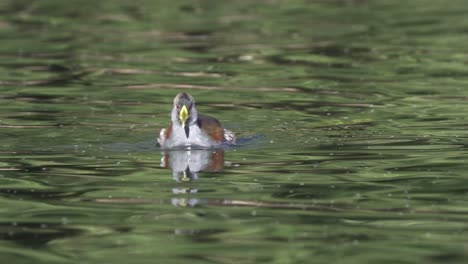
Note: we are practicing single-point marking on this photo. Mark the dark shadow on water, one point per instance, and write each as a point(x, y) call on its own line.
point(251, 141)
point(36, 235)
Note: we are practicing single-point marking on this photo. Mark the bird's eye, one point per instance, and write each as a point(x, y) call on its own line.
point(190, 107)
point(178, 107)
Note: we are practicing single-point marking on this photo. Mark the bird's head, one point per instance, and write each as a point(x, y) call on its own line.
point(184, 112)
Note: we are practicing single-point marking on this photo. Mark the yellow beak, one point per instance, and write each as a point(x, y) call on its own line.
point(183, 115)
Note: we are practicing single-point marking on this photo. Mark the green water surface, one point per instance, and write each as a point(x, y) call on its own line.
point(351, 118)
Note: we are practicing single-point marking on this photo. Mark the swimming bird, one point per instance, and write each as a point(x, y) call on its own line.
point(191, 129)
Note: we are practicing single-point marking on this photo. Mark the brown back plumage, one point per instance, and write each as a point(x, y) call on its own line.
point(212, 127)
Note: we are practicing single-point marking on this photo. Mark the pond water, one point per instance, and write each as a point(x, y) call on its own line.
point(351, 119)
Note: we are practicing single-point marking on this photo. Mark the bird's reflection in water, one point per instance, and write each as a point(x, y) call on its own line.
point(185, 166)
